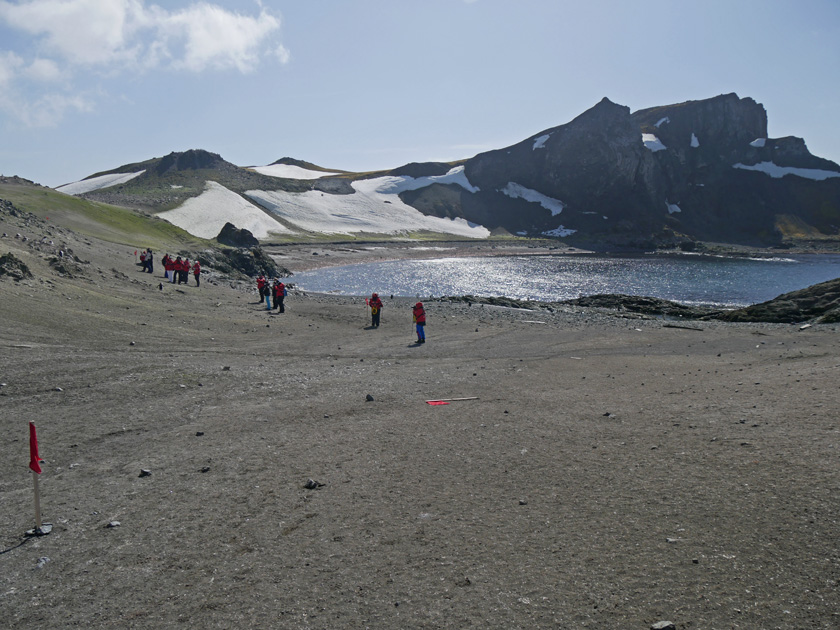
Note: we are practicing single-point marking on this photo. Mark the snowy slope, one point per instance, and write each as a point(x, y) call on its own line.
point(374, 207)
point(290, 171)
point(95, 183)
point(205, 216)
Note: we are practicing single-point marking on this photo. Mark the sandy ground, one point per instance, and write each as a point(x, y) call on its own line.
point(611, 473)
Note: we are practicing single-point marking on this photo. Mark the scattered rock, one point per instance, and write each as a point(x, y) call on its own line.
point(311, 484)
point(663, 625)
point(199, 433)
point(369, 398)
point(41, 562)
point(112, 524)
point(12, 266)
point(205, 469)
point(145, 473)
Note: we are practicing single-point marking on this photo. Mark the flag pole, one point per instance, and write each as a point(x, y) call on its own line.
point(37, 503)
point(41, 529)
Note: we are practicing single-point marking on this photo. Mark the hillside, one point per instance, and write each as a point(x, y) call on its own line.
point(668, 176)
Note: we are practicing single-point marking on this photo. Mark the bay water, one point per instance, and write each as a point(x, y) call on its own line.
point(719, 281)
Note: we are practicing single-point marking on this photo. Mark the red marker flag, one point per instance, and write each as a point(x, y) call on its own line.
point(34, 459)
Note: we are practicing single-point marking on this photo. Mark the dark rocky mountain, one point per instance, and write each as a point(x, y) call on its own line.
point(657, 176)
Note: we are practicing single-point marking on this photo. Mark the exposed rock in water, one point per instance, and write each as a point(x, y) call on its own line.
point(819, 303)
point(236, 237)
point(14, 267)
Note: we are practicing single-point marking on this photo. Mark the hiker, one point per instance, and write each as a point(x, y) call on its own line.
point(166, 261)
point(261, 286)
point(143, 260)
point(197, 272)
point(420, 320)
point(279, 295)
point(150, 262)
point(375, 309)
point(176, 270)
point(185, 271)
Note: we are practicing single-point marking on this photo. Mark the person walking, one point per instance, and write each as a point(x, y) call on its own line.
point(420, 320)
point(166, 261)
point(375, 309)
point(150, 262)
point(197, 273)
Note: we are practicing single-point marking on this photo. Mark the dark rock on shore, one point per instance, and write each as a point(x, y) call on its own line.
point(819, 303)
point(236, 237)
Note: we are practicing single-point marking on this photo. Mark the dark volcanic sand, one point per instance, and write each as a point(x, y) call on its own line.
point(612, 473)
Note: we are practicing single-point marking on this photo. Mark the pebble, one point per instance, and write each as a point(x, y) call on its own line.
point(369, 398)
point(113, 524)
point(663, 625)
point(145, 473)
point(42, 561)
point(311, 484)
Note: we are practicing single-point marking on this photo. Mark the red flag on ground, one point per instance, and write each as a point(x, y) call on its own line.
point(34, 459)
point(436, 402)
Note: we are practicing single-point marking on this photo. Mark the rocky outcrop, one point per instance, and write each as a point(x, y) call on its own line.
point(13, 267)
point(236, 237)
point(819, 303)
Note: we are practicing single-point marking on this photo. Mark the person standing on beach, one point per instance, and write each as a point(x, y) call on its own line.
point(150, 262)
point(375, 309)
point(279, 296)
point(197, 273)
point(420, 321)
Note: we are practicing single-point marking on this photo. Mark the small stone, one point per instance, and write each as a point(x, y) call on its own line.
point(663, 625)
point(199, 433)
point(58, 389)
point(41, 562)
point(226, 368)
point(205, 469)
point(369, 398)
point(523, 502)
point(145, 473)
point(113, 524)
point(182, 386)
point(132, 344)
point(311, 484)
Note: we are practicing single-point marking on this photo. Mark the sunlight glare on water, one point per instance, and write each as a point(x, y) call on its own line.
point(706, 280)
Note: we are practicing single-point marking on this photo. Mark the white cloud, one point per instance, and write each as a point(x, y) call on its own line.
point(128, 32)
point(113, 37)
point(212, 37)
point(10, 65)
point(43, 70)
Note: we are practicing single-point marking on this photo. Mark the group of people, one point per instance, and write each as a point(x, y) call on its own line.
point(269, 291)
point(418, 313)
point(177, 270)
point(147, 261)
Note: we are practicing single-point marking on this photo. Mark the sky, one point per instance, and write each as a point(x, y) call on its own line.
point(89, 85)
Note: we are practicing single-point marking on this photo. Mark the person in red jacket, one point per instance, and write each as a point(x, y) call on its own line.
point(375, 309)
point(261, 286)
point(279, 296)
point(420, 321)
point(197, 273)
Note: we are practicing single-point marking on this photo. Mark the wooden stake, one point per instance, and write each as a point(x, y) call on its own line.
point(37, 503)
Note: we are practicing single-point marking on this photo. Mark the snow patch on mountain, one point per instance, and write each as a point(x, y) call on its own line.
point(758, 143)
point(539, 143)
point(290, 171)
point(205, 216)
point(662, 121)
point(652, 142)
point(559, 232)
point(95, 183)
point(374, 207)
point(694, 141)
point(776, 171)
point(517, 191)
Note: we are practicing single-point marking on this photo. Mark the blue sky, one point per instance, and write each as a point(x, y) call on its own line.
point(89, 85)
